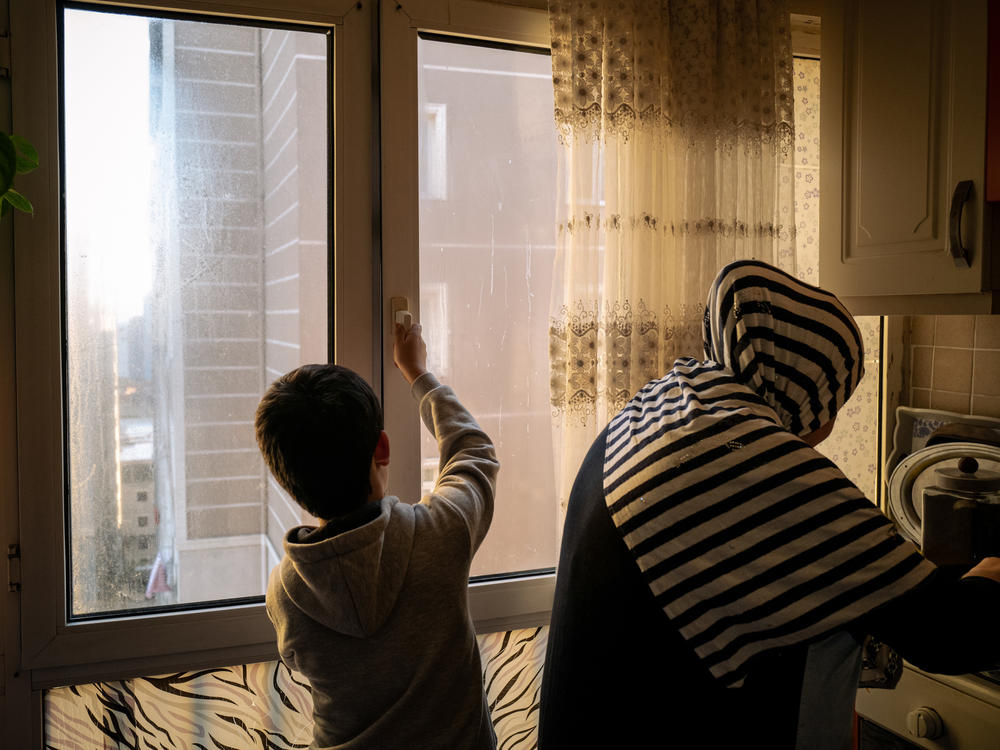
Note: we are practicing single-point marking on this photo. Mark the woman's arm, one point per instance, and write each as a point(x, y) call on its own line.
point(946, 625)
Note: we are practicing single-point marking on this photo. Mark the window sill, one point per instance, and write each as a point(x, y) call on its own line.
point(512, 603)
point(496, 606)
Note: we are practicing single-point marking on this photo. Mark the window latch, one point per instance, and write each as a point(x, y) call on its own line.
point(401, 311)
point(13, 567)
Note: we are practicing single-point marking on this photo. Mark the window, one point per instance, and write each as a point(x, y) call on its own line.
point(485, 260)
point(854, 444)
point(195, 267)
point(434, 152)
point(187, 267)
point(184, 264)
point(467, 238)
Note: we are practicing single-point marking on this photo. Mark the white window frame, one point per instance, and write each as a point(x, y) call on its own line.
point(55, 650)
point(501, 604)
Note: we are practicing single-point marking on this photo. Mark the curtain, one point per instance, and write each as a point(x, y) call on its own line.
point(676, 123)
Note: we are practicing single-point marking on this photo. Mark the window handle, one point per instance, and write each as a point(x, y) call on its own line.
point(959, 253)
point(401, 311)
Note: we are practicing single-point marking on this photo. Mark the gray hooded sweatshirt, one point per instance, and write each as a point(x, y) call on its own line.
point(372, 608)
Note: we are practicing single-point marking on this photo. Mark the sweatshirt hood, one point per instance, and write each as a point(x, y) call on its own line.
point(349, 581)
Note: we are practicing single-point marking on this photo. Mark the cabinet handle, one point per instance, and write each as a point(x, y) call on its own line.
point(958, 199)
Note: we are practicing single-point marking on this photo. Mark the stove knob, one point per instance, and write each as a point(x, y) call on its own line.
point(924, 722)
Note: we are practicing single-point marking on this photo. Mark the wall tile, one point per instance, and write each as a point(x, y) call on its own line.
point(921, 398)
point(955, 330)
point(988, 331)
point(920, 367)
point(986, 406)
point(987, 373)
point(952, 369)
point(957, 402)
point(922, 330)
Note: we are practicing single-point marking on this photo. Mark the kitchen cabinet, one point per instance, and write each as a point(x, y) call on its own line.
point(905, 226)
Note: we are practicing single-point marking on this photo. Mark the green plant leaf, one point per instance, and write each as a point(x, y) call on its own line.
point(8, 163)
point(27, 156)
point(18, 201)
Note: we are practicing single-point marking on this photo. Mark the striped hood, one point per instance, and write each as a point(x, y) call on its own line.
point(793, 344)
point(749, 539)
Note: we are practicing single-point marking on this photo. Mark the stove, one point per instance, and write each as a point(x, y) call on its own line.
point(929, 710)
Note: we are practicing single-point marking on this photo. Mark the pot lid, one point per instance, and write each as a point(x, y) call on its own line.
point(917, 471)
point(967, 476)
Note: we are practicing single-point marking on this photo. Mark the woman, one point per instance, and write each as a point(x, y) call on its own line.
point(717, 574)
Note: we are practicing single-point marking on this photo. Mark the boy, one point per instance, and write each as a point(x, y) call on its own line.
point(372, 606)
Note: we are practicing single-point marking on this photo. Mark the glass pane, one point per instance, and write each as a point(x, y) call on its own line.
point(488, 149)
point(195, 253)
point(853, 444)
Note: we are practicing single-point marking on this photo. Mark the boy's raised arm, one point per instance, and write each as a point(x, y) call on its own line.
point(468, 465)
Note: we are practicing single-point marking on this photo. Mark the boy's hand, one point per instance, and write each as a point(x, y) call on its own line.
point(409, 352)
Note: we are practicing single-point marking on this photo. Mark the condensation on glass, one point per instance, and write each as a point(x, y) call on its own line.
point(488, 158)
point(195, 273)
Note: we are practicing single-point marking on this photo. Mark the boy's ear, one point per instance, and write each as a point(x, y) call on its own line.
point(381, 456)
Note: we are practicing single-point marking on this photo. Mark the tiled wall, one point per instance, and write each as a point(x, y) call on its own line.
point(954, 363)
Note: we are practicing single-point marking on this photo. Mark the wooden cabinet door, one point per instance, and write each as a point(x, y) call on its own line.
point(902, 125)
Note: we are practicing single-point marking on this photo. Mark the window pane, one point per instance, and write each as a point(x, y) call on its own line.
point(195, 272)
point(488, 151)
point(853, 444)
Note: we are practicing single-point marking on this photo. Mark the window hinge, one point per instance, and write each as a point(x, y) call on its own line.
point(13, 567)
point(5, 55)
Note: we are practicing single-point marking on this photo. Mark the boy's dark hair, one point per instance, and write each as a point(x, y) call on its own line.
point(317, 427)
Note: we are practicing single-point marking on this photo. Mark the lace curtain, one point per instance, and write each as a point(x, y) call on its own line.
point(676, 123)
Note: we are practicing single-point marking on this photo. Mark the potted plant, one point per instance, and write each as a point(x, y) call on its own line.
point(17, 156)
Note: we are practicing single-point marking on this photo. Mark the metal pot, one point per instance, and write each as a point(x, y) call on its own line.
point(961, 514)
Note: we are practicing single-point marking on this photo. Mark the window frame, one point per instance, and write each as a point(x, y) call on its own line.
point(56, 650)
point(523, 599)
point(59, 652)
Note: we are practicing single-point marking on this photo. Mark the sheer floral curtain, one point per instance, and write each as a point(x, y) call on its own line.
point(676, 120)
